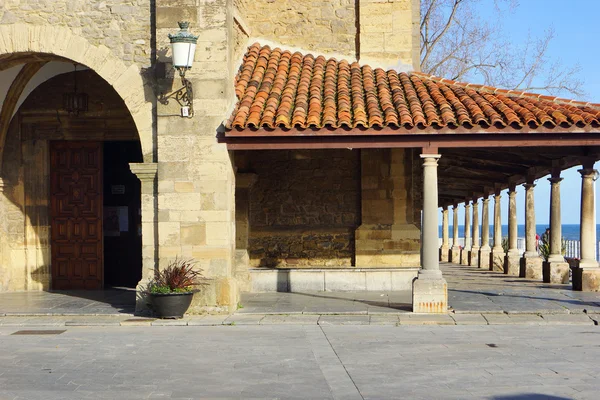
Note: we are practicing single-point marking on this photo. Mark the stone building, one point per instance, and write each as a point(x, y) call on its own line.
point(300, 168)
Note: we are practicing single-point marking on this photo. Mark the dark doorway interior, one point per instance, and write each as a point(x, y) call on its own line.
point(122, 215)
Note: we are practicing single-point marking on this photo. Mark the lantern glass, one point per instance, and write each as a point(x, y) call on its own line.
point(183, 54)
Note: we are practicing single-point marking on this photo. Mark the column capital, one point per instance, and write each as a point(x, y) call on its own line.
point(146, 172)
point(434, 156)
point(512, 188)
point(486, 199)
point(588, 173)
point(555, 179)
point(528, 186)
point(430, 160)
point(497, 196)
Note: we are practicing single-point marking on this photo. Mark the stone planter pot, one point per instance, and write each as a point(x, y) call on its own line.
point(171, 305)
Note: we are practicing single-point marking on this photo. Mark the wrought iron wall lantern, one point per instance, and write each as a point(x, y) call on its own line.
point(75, 102)
point(183, 46)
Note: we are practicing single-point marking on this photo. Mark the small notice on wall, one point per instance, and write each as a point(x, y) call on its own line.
point(116, 220)
point(117, 189)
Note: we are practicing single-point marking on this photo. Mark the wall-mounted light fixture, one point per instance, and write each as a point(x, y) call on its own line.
point(183, 45)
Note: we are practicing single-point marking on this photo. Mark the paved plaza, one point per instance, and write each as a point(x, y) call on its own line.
point(475, 296)
point(302, 362)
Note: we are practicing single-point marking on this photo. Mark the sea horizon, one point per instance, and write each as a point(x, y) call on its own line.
point(569, 231)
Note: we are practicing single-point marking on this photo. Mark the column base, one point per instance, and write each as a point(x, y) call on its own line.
point(430, 295)
point(512, 265)
point(455, 255)
point(444, 254)
point(531, 268)
point(586, 279)
point(484, 259)
point(555, 272)
point(474, 257)
point(497, 261)
point(464, 257)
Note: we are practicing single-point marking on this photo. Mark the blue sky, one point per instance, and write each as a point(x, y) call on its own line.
point(577, 32)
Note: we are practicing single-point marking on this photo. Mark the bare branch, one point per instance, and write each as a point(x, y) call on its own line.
point(457, 43)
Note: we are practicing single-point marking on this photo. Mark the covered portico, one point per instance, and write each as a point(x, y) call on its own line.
point(470, 141)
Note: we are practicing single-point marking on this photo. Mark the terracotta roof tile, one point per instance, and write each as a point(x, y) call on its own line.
point(277, 88)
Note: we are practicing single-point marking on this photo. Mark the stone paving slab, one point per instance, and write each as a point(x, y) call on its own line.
point(293, 319)
point(569, 319)
point(384, 320)
point(344, 320)
point(308, 319)
point(426, 319)
point(469, 319)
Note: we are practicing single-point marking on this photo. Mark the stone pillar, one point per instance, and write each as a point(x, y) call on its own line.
point(484, 252)
point(243, 184)
point(586, 276)
point(497, 257)
point(464, 254)
point(512, 262)
point(474, 253)
point(455, 250)
point(146, 173)
point(430, 290)
point(555, 269)
point(444, 256)
point(531, 263)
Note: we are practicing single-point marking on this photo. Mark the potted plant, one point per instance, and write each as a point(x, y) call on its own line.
point(172, 289)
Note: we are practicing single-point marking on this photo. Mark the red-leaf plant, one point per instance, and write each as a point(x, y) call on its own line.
point(180, 276)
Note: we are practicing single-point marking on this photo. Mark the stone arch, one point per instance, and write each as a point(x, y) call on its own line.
point(62, 42)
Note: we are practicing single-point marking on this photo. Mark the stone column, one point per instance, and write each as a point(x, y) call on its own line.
point(484, 252)
point(455, 250)
point(586, 276)
point(474, 253)
point(555, 269)
point(464, 254)
point(512, 262)
point(430, 290)
point(146, 173)
point(243, 184)
point(531, 263)
point(497, 257)
point(444, 250)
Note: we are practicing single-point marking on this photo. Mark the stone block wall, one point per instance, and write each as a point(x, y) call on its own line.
point(391, 187)
point(390, 33)
point(326, 26)
point(304, 207)
point(383, 33)
point(196, 212)
point(121, 26)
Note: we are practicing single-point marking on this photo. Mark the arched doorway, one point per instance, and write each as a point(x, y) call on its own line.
point(71, 199)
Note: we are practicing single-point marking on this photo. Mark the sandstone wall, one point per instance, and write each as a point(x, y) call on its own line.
point(196, 212)
point(304, 207)
point(389, 33)
point(325, 26)
point(121, 25)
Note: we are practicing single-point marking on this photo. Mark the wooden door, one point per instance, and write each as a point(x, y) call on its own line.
point(76, 215)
